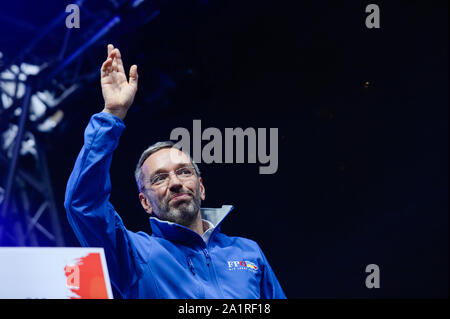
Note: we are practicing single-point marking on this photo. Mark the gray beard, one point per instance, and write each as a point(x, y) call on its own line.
point(183, 213)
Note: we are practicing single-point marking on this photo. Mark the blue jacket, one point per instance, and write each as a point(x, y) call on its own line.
point(174, 262)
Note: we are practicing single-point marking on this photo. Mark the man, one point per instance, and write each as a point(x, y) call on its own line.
point(187, 255)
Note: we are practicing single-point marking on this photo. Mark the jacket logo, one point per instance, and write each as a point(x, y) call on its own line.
point(242, 265)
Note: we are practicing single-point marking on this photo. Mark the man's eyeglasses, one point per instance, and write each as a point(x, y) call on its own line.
point(182, 173)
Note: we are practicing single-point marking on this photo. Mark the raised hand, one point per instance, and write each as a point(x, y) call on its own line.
point(118, 93)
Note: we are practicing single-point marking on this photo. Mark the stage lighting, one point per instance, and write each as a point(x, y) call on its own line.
point(50, 123)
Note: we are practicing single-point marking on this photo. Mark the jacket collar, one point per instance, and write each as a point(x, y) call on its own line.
point(178, 233)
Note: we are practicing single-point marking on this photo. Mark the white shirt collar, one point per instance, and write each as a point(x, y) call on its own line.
point(209, 229)
point(211, 217)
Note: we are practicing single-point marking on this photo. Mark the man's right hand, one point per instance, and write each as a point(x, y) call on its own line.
point(118, 93)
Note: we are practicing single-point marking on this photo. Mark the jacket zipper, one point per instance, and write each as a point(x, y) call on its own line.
point(191, 265)
point(207, 256)
point(211, 271)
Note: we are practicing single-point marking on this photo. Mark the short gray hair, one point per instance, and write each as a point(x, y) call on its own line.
point(139, 176)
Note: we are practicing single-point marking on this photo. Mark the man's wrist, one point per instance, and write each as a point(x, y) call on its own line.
point(119, 113)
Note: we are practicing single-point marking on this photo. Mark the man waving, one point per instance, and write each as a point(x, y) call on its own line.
point(187, 255)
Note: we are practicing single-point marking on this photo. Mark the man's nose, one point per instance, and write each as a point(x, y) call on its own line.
point(174, 182)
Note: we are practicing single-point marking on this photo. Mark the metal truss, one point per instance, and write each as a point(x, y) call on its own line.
point(33, 87)
point(27, 196)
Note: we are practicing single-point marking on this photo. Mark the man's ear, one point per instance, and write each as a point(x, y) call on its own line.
point(202, 189)
point(145, 203)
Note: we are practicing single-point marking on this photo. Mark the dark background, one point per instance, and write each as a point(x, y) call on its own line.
point(362, 116)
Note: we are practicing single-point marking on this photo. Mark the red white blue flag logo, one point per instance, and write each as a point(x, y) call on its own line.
point(242, 265)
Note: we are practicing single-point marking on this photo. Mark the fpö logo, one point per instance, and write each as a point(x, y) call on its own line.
point(242, 265)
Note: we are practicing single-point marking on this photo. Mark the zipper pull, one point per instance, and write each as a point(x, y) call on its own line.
point(207, 256)
point(191, 265)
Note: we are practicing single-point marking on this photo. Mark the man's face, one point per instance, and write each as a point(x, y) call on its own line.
point(178, 199)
